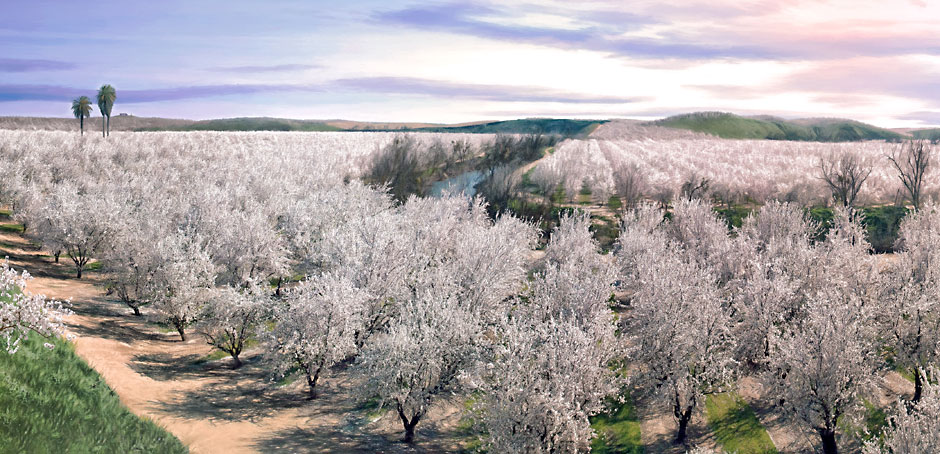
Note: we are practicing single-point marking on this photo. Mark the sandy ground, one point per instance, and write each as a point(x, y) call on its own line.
point(209, 406)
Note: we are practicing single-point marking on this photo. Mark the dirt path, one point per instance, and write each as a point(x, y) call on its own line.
point(207, 405)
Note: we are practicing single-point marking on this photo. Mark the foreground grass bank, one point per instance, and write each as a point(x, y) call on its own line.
point(52, 401)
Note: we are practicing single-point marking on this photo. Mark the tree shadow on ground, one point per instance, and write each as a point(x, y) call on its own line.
point(341, 441)
point(243, 394)
point(39, 266)
point(113, 323)
point(167, 366)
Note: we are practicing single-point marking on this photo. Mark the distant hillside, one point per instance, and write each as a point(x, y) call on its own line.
point(562, 127)
point(719, 124)
point(928, 134)
point(730, 126)
point(249, 124)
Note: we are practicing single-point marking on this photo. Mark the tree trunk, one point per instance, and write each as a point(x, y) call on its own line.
point(136, 310)
point(312, 384)
point(410, 433)
point(237, 362)
point(684, 419)
point(918, 386)
point(182, 331)
point(409, 425)
point(78, 272)
point(102, 125)
point(828, 437)
point(81, 124)
point(109, 125)
point(56, 254)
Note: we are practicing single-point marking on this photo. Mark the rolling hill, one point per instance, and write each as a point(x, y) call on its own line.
point(731, 126)
point(720, 124)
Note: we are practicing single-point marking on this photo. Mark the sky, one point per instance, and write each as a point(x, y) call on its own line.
point(449, 62)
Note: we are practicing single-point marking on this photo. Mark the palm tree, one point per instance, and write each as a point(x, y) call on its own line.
point(81, 108)
point(106, 97)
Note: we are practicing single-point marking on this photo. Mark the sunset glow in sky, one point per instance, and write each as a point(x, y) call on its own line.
point(462, 61)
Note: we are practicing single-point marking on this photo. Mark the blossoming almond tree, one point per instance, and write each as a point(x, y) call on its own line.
point(315, 326)
point(909, 314)
point(554, 358)
point(423, 355)
point(912, 431)
point(822, 360)
point(231, 316)
point(184, 282)
point(680, 329)
point(22, 312)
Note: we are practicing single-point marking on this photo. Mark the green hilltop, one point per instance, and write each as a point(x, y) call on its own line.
point(731, 126)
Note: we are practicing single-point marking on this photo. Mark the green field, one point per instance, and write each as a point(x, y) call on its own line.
point(735, 426)
point(51, 401)
point(618, 431)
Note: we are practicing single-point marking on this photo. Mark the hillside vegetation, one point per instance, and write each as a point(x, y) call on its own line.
point(554, 126)
point(51, 401)
point(720, 124)
point(249, 124)
point(928, 134)
point(548, 126)
point(731, 126)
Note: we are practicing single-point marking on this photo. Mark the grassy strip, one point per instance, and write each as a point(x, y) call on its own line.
point(618, 431)
point(735, 425)
point(52, 401)
point(11, 228)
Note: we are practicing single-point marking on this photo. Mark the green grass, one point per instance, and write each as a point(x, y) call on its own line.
point(735, 426)
point(734, 216)
point(881, 224)
point(215, 355)
point(730, 126)
point(11, 228)
point(874, 422)
point(614, 203)
point(52, 401)
point(618, 431)
point(94, 266)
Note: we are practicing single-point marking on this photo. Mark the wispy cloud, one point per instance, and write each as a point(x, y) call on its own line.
point(21, 65)
point(61, 93)
point(598, 32)
point(38, 93)
point(290, 67)
point(884, 76)
point(926, 117)
point(444, 89)
point(383, 85)
point(866, 60)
